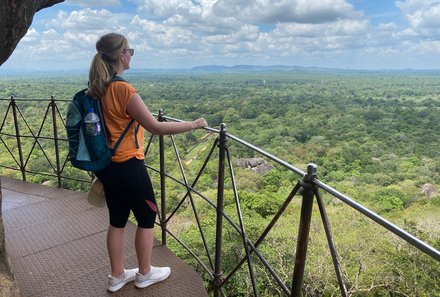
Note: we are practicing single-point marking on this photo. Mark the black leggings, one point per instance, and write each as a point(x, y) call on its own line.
point(128, 187)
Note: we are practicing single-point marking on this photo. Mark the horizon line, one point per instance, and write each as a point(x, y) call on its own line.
point(216, 68)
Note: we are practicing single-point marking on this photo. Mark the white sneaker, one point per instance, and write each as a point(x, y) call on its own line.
point(115, 283)
point(155, 275)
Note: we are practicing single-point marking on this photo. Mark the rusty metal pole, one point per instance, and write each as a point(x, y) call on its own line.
point(304, 229)
point(331, 244)
point(53, 106)
point(163, 222)
point(220, 201)
point(17, 136)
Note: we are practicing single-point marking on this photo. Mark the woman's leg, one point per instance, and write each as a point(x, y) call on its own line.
point(144, 248)
point(112, 178)
point(115, 241)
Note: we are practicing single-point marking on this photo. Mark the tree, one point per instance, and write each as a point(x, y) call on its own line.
point(264, 120)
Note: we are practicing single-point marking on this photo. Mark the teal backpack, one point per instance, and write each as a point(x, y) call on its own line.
point(90, 151)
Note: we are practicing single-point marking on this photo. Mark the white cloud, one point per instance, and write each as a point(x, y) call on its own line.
point(167, 9)
point(89, 3)
point(339, 34)
point(158, 35)
point(246, 33)
point(387, 27)
point(430, 47)
point(85, 20)
point(184, 33)
point(275, 11)
point(423, 15)
point(70, 36)
point(225, 26)
point(197, 16)
point(31, 36)
point(81, 40)
point(43, 45)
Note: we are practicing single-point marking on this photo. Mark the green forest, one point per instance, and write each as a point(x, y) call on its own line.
point(373, 134)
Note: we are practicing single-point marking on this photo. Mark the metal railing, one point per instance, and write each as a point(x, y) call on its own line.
point(308, 186)
point(21, 162)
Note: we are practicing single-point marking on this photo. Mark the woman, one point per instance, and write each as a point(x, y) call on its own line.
point(126, 182)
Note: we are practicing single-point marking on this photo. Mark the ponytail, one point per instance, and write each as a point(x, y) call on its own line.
point(105, 63)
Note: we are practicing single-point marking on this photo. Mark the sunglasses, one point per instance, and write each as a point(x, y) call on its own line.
point(129, 50)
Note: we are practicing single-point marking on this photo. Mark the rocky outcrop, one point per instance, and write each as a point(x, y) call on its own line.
point(429, 190)
point(257, 165)
point(15, 19)
point(7, 286)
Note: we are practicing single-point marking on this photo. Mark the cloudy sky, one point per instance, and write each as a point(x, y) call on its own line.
point(355, 34)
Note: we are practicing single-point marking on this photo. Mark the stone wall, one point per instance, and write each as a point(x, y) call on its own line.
point(7, 286)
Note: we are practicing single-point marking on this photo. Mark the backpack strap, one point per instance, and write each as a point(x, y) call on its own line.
point(135, 135)
point(113, 150)
point(101, 116)
point(118, 78)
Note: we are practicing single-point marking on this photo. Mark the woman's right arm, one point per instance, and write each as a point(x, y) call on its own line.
point(137, 109)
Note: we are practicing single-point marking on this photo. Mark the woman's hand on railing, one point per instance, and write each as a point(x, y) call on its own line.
point(200, 123)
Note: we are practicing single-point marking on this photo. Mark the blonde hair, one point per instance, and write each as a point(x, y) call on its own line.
point(105, 63)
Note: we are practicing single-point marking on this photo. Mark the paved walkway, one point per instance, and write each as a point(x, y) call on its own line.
point(55, 241)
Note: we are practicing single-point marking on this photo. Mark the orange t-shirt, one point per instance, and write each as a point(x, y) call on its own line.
point(114, 109)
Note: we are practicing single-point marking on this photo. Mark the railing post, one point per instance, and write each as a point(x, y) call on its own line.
point(53, 106)
point(304, 229)
point(17, 136)
point(163, 222)
point(220, 202)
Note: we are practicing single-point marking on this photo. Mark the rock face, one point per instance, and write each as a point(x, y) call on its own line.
point(257, 165)
point(15, 18)
point(7, 286)
point(2, 233)
point(429, 190)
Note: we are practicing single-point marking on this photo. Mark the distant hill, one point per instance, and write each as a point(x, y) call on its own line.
point(247, 68)
point(278, 68)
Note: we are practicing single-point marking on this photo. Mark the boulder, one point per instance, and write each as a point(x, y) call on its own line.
point(257, 165)
point(429, 190)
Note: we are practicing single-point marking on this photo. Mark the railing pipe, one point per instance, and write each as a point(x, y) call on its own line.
point(220, 201)
point(331, 245)
point(304, 229)
point(17, 136)
point(244, 236)
point(55, 135)
point(163, 222)
point(188, 194)
point(269, 227)
point(255, 148)
point(424, 247)
point(309, 185)
point(268, 155)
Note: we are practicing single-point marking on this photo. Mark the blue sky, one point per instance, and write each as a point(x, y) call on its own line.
point(353, 34)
